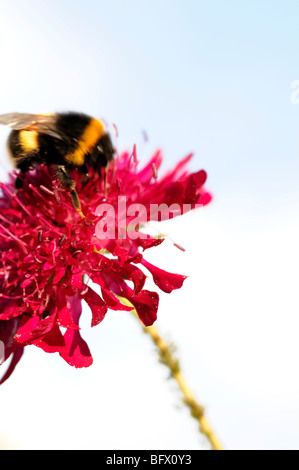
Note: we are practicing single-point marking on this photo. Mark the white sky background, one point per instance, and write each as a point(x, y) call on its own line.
point(209, 77)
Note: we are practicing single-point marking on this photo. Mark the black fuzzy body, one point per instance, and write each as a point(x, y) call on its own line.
point(56, 148)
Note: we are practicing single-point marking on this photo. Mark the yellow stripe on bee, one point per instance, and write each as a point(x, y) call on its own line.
point(92, 133)
point(28, 140)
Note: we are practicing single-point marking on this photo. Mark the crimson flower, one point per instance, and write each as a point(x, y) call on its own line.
point(49, 254)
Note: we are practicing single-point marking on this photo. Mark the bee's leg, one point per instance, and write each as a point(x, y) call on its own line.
point(76, 202)
point(19, 182)
point(84, 170)
point(23, 167)
point(67, 182)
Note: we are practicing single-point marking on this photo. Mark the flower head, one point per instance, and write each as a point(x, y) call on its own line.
point(49, 254)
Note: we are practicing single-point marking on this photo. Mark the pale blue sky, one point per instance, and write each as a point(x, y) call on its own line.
point(210, 77)
point(213, 77)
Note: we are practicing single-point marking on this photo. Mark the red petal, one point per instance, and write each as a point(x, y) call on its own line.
point(134, 274)
point(65, 318)
point(193, 184)
point(146, 304)
point(181, 164)
point(10, 309)
point(205, 198)
point(97, 306)
point(113, 302)
point(76, 352)
point(166, 281)
point(146, 243)
point(17, 354)
point(32, 328)
point(52, 342)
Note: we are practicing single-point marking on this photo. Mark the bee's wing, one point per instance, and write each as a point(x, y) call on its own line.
point(45, 124)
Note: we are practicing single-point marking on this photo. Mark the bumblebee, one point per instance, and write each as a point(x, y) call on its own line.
point(63, 141)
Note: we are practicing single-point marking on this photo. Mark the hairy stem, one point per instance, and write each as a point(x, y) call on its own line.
point(196, 410)
point(166, 354)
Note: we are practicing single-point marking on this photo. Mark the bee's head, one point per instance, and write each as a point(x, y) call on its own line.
point(103, 152)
